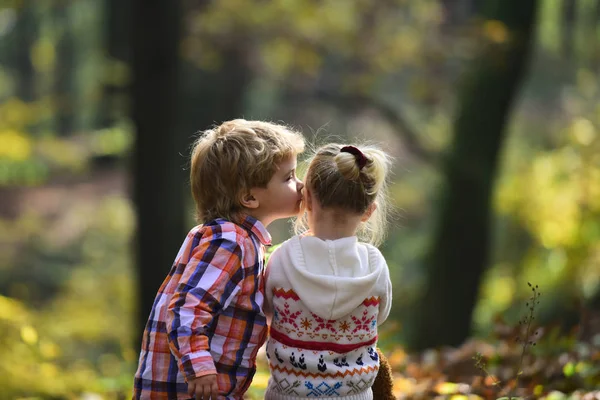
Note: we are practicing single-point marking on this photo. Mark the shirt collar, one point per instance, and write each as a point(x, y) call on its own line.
point(256, 227)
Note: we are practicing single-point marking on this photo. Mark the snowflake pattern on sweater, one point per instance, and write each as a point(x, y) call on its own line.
point(310, 356)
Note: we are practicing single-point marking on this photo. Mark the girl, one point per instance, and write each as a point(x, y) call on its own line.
point(325, 291)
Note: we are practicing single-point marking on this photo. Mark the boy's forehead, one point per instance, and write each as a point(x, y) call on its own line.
point(287, 163)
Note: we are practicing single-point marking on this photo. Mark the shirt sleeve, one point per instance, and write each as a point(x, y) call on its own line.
point(210, 281)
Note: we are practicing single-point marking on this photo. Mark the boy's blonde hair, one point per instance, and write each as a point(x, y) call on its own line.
point(337, 182)
point(230, 159)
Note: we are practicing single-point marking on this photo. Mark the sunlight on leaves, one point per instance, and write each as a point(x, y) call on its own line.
point(447, 388)
point(15, 146)
point(29, 334)
point(12, 310)
point(569, 369)
point(582, 131)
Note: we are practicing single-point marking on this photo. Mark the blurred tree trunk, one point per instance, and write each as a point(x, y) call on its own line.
point(26, 32)
point(213, 96)
point(64, 93)
point(459, 252)
point(159, 181)
point(118, 59)
point(594, 26)
point(568, 27)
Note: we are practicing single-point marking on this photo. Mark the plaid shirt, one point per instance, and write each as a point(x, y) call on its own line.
point(207, 316)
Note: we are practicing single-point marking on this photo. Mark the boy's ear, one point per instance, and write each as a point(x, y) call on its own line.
point(248, 200)
point(369, 212)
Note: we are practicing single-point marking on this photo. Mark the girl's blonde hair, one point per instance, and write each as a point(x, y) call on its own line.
point(230, 159)
point(337, 182)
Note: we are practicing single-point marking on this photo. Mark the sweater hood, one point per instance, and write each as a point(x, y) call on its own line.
point(331, 277)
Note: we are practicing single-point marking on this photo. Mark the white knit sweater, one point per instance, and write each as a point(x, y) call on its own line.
point(326, 299)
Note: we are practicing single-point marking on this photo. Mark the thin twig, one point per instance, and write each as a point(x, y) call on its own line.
point(526, 341)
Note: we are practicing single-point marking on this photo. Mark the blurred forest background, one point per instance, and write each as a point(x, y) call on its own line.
point(491, 108)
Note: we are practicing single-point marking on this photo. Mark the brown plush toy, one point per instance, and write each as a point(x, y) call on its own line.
point(384, 383)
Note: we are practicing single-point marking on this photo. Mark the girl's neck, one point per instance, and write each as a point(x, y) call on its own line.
point(332, 226)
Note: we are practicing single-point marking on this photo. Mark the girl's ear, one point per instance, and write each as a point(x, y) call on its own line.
point(307, 198)
point(248, 200)
point(369, 212)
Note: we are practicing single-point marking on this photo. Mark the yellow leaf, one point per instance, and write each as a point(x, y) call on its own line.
point(15, 146)
point(446, 388)
point(29, 334)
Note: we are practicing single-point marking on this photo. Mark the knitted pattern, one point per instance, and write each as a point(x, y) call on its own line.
point(313, 357)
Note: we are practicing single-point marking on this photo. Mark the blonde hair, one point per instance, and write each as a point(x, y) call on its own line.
point(230, 159)
point(337, 182)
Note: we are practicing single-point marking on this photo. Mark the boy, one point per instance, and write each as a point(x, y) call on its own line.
point(207, 322)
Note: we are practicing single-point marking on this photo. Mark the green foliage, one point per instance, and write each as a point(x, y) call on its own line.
point(547, 200)
point(80, 340)
point(308, 37)
point(27, 159)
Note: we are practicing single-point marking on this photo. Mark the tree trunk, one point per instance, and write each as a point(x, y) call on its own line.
point(159, 179)
point(568, 27)
point(211, 97)
point(118, 49)
point(26, 31)
point(594, 26)
point(460, 241)
point(64, 91)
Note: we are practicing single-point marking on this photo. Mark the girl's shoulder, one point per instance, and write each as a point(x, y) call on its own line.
point(371, 249)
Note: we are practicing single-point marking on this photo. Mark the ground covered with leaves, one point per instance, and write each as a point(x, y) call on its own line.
point(560, 366)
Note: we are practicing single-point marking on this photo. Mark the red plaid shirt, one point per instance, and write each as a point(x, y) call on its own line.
point(208, 315)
